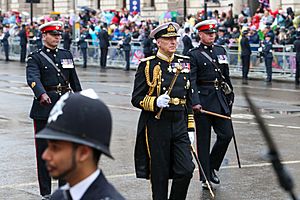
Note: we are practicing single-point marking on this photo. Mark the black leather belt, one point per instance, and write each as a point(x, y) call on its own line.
point(58, 89)
point(214, 83)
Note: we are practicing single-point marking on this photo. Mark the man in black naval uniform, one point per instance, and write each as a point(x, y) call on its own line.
point(245, 55)
point(83, 44)
point(267, 48)
point(162, 148)
point(50, 73)
point(209, 73)
point(75, 145)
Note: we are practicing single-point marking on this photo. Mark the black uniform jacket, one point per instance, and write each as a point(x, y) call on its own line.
point(153, 78)
point(245, 46)
point(267, 49)
point(98, 190)
point(40, 74)
point(206, 93)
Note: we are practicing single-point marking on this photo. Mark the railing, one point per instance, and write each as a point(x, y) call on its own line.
point(284, 61)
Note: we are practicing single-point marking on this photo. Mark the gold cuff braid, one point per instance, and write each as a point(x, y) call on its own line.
point(191, 123)
point(148, 103)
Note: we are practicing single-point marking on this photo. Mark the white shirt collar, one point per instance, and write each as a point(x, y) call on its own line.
point(78, 190)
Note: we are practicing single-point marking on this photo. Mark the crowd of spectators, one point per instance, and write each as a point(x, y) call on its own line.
point(283, 24)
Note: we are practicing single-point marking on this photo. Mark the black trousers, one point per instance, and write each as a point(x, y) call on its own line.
point(23, 52)
point(103, 57)
point(223, 129)
point(127, 59)
point(245, 65)
point(170, 155)
point(44, 178)
point(297, 75)
point(84, 56)
point(6, 51)
point(268, 64)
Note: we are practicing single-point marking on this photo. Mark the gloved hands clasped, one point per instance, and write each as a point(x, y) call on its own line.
point(163, 101)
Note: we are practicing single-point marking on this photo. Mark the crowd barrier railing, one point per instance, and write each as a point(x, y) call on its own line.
point(284, 60)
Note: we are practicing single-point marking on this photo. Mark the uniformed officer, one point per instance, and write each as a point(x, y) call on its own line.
point(222, 37)
point(297, 49)
point(67, 38)
point(267, 47)
point(209, 76)
point(76, 139)
point(23, 43)
point(162, 148)
point(5, 44)
point(50, 73)
point(245, 55)
point(83, 44)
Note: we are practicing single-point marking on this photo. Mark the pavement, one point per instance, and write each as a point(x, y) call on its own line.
point(256, 180)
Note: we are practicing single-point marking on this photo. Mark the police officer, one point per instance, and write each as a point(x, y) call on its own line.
point(297, 49)
point(67, 38)
point(23, 43)
point(210, 71)
point(104, 44)
point(187, 41)
point(50, 73)
point(127, 47)
point(162, 148)
point(5, 44)
point(222, 37)
point(83, 44)
point(267, 47)
point(245, 55)
point(76, 139)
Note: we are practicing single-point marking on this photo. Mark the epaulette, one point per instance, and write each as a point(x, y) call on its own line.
point(148, 58)
point(182, 56)
point(62, 49)
point(195, 48)
point(35, 52)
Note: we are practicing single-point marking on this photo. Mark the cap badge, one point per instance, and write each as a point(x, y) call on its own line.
point(171, 28)
point(211, 26)
point(57, 109)
point(57, 27)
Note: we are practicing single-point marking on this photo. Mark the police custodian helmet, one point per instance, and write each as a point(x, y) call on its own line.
point(80, 118)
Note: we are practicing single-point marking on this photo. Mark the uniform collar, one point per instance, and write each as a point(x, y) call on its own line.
point(164, 57)
point(48, 50)
point(204, 46)
point(78, 190)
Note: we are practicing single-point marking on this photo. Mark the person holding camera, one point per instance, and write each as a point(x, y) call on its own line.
point(213, 92)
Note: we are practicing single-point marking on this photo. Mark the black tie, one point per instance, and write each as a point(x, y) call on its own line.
point(68, 195)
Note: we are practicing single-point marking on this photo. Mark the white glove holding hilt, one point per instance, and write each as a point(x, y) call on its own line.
point(163, 101)
point(192, 136)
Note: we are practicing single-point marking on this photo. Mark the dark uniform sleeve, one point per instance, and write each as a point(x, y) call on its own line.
point(140, 99)
point(34, 77)
point(193, 62)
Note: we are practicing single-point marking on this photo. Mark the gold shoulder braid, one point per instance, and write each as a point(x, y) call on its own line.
point(156, 81)
point(149, 101)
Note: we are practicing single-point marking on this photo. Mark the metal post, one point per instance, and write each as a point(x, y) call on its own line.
point(31, 12)
point(52, 5)
point(98, 4)
point(205, 10)
point(184, 9)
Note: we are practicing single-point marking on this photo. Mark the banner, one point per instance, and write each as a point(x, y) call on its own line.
point(135, 6)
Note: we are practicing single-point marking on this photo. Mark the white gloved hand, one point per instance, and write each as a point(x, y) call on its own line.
point(192, 136)
point(163, 101)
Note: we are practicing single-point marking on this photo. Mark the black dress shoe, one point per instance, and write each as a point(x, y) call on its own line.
point(214, 178)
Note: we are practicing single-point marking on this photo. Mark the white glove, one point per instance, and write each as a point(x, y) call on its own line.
point(192, 136)
point(163, 101)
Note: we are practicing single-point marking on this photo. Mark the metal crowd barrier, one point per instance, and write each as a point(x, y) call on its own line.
point(284, 60)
